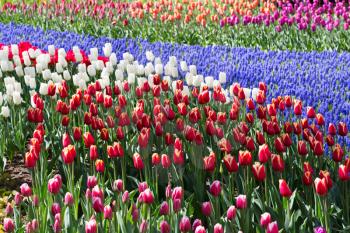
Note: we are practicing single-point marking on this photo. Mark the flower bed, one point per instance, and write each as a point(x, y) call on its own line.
point(321, 80)
point(150, 152)
point(272, 25)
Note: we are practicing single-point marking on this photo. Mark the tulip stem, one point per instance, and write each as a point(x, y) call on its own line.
point(326, 214)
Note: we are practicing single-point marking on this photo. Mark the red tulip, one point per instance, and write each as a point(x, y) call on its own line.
point(209, 162)
point(343, 173)
point(260, 138)
point(178, 157)
point(230, 163)
point(310, 112)
point(203, 97)
point(144, 137)
point(264, 153)
point(250, 144)
point(298, 107)
point(88, 139)
point(210, 128)
point(327, 176)
point(244, 158)
point(100, 165)
point(321, 186)
point(307, 178)
point(138, 163)
point(338, 153)
point(68, 154)
point(331, 129)
point(318, 148)
point(302, 149)
point(277, 163)
point(284, 189)
point(342, 129)
point(259, 171)
point(107, 212)
point(319, 119)
point(155, 159)
point(279, 146)
point(225, 145)
point(76, 133)
point(165, 161)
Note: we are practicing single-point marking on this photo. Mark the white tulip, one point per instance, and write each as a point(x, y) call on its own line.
point(29, 71)
point(5, 111)
point(186, 91)
point(183, 66)
point(174, 72)
point(59, 68)
point(119, 75)
point(1, 98)
point(158, 60)
point(107, 49)
point(82, 68)
point(17, 60)
point(149, 69)
point(255, 92)
point(91, 70)
point(131, 78)
point(14, 49)
point(99, 65)
point(109, 67)
point(62, 52)
point(189, 79)
point(197, 80)
point(209, 81)
point(4, 65)
point(66, 75)
point(159, 68)
point(140, 70)
point(16, 97)
point(51, 49)
point(46, 74)
point(19, 71)
point(173, 60)
point(32, 83)
point(193, 70)
point(149, 56)
point(113, 59)
point(247, 92)
point(222, 77)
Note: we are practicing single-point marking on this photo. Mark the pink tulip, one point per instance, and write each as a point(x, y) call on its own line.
point(272, 227)
point(265, 219)
point(241, 201)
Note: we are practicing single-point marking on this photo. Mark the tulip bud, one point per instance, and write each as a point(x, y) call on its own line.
point(143, 226)
point(91, 226)
point(118, 185)
point(9, 226)
point(241, 201)
point(200, 229)
point(26, 191)
point(164, 208)
point(196, 223)
point(100, 166)
point(343, 173)
point(185, 224)
point(55, 208)
point(215, 188)
point(107, 212)
point(91, 181)
point(206, 208)
point(272, 227)
point(68, 199)
point(125, 196)
point(164, 227)
point(9, 209)
point(265, 219)
point(231, 213)
point(284, 189)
